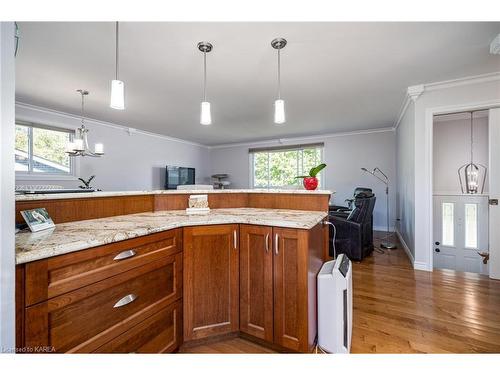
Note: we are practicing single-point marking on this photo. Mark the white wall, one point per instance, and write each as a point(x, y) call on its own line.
point(131, 162)
point(405, 159)
point(451, 150)
point(344, 154)
point(7, 252)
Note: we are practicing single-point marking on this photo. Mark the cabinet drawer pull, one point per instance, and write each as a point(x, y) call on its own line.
point(125, 300)
point(235, 239)
point(125, 254)
point(267, 243)
point(276, 243)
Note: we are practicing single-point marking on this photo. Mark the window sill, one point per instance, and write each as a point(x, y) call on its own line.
point(44, 177)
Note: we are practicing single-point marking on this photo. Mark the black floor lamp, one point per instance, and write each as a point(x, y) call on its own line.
point(381, 176)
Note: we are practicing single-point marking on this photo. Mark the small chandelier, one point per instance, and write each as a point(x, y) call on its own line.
point(472, 176)
point(80, 144)
point(279, 104)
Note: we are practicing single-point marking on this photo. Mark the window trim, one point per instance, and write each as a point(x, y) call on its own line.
point(41, 176)
point(253, 151)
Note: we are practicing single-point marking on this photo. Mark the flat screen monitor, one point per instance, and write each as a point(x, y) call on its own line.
point(176, 176)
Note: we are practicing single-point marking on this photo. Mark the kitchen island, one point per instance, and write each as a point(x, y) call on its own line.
point(149, 281)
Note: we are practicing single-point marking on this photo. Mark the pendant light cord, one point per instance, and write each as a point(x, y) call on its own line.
point(204, 76)
point(471, 138)
point(116, 51)
point(279, 74)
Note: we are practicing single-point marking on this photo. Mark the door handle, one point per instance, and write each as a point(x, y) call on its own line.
point(437, 250)
point(267, 242)
point(125, 300)
point(493, 202)
point(235, 240)
point(125, 254)
point(276, 243)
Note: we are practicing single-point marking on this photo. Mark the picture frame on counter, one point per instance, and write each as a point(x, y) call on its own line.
point(38, 219)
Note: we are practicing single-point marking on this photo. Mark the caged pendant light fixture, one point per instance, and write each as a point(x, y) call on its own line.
point(80, 144)
point(117, 87)
point(205, 115)
point(472, 176)
point(279, 104)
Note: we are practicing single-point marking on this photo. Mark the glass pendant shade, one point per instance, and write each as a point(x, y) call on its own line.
point(206, 115)
point(117, 94)
point(279, 111)
point(78, 144)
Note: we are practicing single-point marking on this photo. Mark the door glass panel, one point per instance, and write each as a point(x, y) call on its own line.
point(471, 225)
point(448, 224)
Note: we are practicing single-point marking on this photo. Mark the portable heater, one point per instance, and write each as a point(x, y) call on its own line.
point(335, 305)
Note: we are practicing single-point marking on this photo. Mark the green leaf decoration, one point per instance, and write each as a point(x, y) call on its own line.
point(314, 171)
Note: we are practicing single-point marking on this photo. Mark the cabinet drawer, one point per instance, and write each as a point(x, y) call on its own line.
point(86, 318)
point(160, 333)
point(55, 276)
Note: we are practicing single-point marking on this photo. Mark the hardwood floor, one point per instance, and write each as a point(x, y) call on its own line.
point(400, 310)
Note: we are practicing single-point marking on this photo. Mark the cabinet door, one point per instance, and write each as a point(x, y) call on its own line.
point(211, 277)
point(290, 288)
point(256, 281)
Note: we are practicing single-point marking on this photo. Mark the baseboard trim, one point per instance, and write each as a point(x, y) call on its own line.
point(383, 229)
point(421, 266)
point(406, 249)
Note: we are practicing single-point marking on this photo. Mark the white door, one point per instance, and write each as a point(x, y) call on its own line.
point(460, 232)
point(494, 178)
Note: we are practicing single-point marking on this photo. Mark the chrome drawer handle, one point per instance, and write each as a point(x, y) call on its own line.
point(235, 240)
point(125, 254)
point(125, 300)
point(267, 243)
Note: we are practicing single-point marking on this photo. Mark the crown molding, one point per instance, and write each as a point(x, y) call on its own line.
point(318, 137)
point(129, 130)
point(469, 80)
point(414, 92)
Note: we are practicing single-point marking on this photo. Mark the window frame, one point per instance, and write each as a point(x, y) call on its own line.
point(253, 152)
point(31, 175)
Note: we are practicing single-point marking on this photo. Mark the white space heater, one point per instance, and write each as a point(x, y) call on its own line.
point(335, 305)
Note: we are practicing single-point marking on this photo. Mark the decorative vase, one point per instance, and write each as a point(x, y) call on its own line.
point(310, 183)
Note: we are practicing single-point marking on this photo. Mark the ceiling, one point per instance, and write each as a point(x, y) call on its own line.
point(336, 77)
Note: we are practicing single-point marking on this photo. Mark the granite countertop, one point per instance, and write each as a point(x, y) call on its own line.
point(33, 197)
point(78, 235)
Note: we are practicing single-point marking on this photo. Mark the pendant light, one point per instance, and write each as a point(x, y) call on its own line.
point(473, 174)
point(80, 144)
point(205, 116)
point(279, 104)
point(117, 87)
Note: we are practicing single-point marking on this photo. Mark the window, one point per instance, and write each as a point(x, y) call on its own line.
point(471, 225)
point(278, 167)
point(40, 151)
point(448, 223)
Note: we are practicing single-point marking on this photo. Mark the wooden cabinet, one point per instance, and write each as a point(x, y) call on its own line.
point(290, 288)
point(211, 280)
point(104, 298)
point(256, 281)
point(160, 333)
point(150, 293)
point(278, 268)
